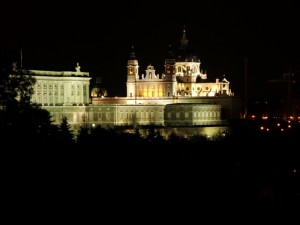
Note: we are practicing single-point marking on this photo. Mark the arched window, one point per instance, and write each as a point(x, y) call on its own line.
point(168, 69)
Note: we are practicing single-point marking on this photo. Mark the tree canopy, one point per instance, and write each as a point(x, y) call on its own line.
point(22, 123)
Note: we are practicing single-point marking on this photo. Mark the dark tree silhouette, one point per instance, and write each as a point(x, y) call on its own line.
point(16, 89)
point(23, 125)
point(65, 134)
point(83, 137)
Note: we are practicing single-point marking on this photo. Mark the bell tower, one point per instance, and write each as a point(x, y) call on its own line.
point(169, 64)
point(170, 76)
point(132, 74)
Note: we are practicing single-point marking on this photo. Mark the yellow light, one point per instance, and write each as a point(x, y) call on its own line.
point(261, 128)
point(264, 117)
point(289, 126)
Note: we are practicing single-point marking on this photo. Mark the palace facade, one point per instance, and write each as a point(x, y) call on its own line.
point(180, 96)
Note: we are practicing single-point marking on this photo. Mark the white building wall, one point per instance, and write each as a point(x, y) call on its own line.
point(61, 88)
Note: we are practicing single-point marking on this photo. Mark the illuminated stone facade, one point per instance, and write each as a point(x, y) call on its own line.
point(61, 88)
point(182, 77)
point(181, 96)
point(109, 115)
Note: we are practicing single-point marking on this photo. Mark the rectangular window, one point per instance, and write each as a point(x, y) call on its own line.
point(169, 115)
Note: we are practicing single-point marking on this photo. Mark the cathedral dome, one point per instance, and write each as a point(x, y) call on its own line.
point(184, 53)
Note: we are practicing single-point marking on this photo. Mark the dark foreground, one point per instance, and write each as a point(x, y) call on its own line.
point(153, 184)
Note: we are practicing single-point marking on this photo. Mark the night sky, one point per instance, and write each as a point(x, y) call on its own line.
point(54, 35)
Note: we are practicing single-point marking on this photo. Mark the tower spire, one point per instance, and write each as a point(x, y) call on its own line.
point(132, 53)
point(184, 41)
point(170, 53)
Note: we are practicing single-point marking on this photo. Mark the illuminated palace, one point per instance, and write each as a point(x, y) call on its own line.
point(180, 97)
